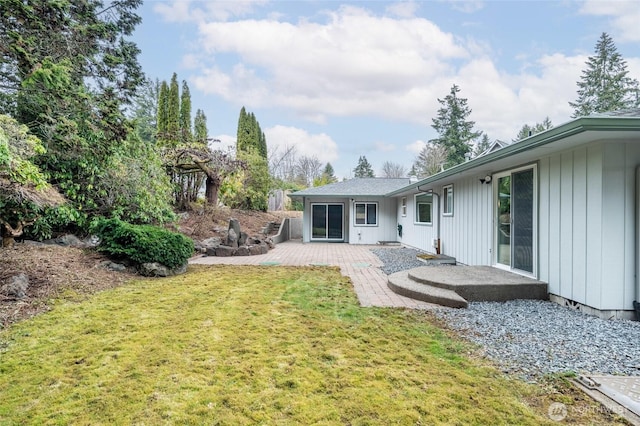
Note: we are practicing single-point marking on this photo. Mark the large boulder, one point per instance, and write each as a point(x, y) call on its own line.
point(208, 246)
point(234, 225)
point(225, 251)
point(232, 239)
point(242, 251)
point(155, 269)
point(16, 287)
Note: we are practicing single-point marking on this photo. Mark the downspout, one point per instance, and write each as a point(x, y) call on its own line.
point(430, 191)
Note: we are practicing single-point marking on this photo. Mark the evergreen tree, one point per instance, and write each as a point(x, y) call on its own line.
point(326, 177)
point(68, 71)
point(185, 114)
point(145, 111)
point(243, 139)
point(363, 169)
point(483, 145)
point(173, 111)
point(251, 147)
point(528, 130)
point(456, 134)
point(329, 173)
point(604, 85)
point(162, 119)
point(200, 128)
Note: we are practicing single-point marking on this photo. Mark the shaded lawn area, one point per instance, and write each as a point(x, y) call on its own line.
point(246, 345)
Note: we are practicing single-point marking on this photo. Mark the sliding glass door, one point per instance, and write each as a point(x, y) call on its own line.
point(515, 224)
point(327, 222)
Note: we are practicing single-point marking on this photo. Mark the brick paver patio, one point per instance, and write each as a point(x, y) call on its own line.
point(355, 261)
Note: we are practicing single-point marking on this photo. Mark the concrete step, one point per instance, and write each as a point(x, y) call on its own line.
point(480, 283)
point(401, 284)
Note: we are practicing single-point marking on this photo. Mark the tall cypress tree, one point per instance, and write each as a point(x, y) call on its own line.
point(185, 114)
point(200, 128)
point(251, 146)
point(604, 84)
point(243, 139)
point(173, 111)
point(162, 119)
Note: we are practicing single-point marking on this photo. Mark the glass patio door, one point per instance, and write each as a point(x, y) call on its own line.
point(515, 208)
point(327, 222)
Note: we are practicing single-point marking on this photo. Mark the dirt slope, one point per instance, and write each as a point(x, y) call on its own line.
point(56, 271)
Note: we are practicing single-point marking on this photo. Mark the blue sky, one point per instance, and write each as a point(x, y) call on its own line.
point(341, 79)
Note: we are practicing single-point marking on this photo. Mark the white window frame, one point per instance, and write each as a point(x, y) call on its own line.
point(417, 206)
point(403, 204)
point(447, 200)
point(366, 213)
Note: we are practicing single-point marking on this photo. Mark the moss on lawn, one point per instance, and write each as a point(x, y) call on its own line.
point(246, 345)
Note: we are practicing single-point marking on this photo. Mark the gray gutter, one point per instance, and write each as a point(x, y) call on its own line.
point(563, 131)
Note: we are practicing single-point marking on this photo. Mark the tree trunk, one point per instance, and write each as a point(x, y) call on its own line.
point(10, 233)
point(211, 191)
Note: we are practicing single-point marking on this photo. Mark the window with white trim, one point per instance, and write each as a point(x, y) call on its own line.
point(366, 214)
point(423, 203)
point(447, 200)
point(404, 206)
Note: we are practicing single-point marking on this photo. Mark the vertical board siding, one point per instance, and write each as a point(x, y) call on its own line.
point(594, 226)
point(566, 224)
point(467, 235)
point(413, 235)
point(632, 218)
point(579, 230)
point(553, 234)
point(613, 226)
point(543, 217)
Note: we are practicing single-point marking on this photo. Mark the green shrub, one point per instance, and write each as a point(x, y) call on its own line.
point(142, 243)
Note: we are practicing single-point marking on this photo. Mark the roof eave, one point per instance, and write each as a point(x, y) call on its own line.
point(571, 128)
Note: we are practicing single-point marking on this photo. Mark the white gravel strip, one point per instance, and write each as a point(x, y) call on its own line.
point(532, 338)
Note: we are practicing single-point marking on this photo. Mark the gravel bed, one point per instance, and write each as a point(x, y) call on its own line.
point(532, 338)
point(398, 259)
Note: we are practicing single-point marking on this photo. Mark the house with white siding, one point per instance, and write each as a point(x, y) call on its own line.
point(561, 206)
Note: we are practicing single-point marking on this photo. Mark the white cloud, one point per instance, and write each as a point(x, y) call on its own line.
point(190, 62)
point(320, 145)
point(403, 9)
point(198, 11)
point(625, 16)
point(223, 142)
point(175, 11)
point(467, 6)
point(503, 102)
point(354, 63)
point(416, 147)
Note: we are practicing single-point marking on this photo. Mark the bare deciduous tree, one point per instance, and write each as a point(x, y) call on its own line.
point(430, 160)
point(308, 168)
point(393, 170)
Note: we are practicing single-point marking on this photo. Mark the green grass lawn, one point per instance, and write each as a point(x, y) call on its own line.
point(246, 345)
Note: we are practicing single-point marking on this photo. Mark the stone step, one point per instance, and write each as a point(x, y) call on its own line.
point(401, 284)
point(480, 283)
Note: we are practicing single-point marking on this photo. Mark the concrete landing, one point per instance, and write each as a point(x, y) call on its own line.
point(467, 283)
point(619, 394)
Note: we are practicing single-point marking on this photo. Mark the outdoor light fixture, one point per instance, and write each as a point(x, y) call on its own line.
point(486, 179)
